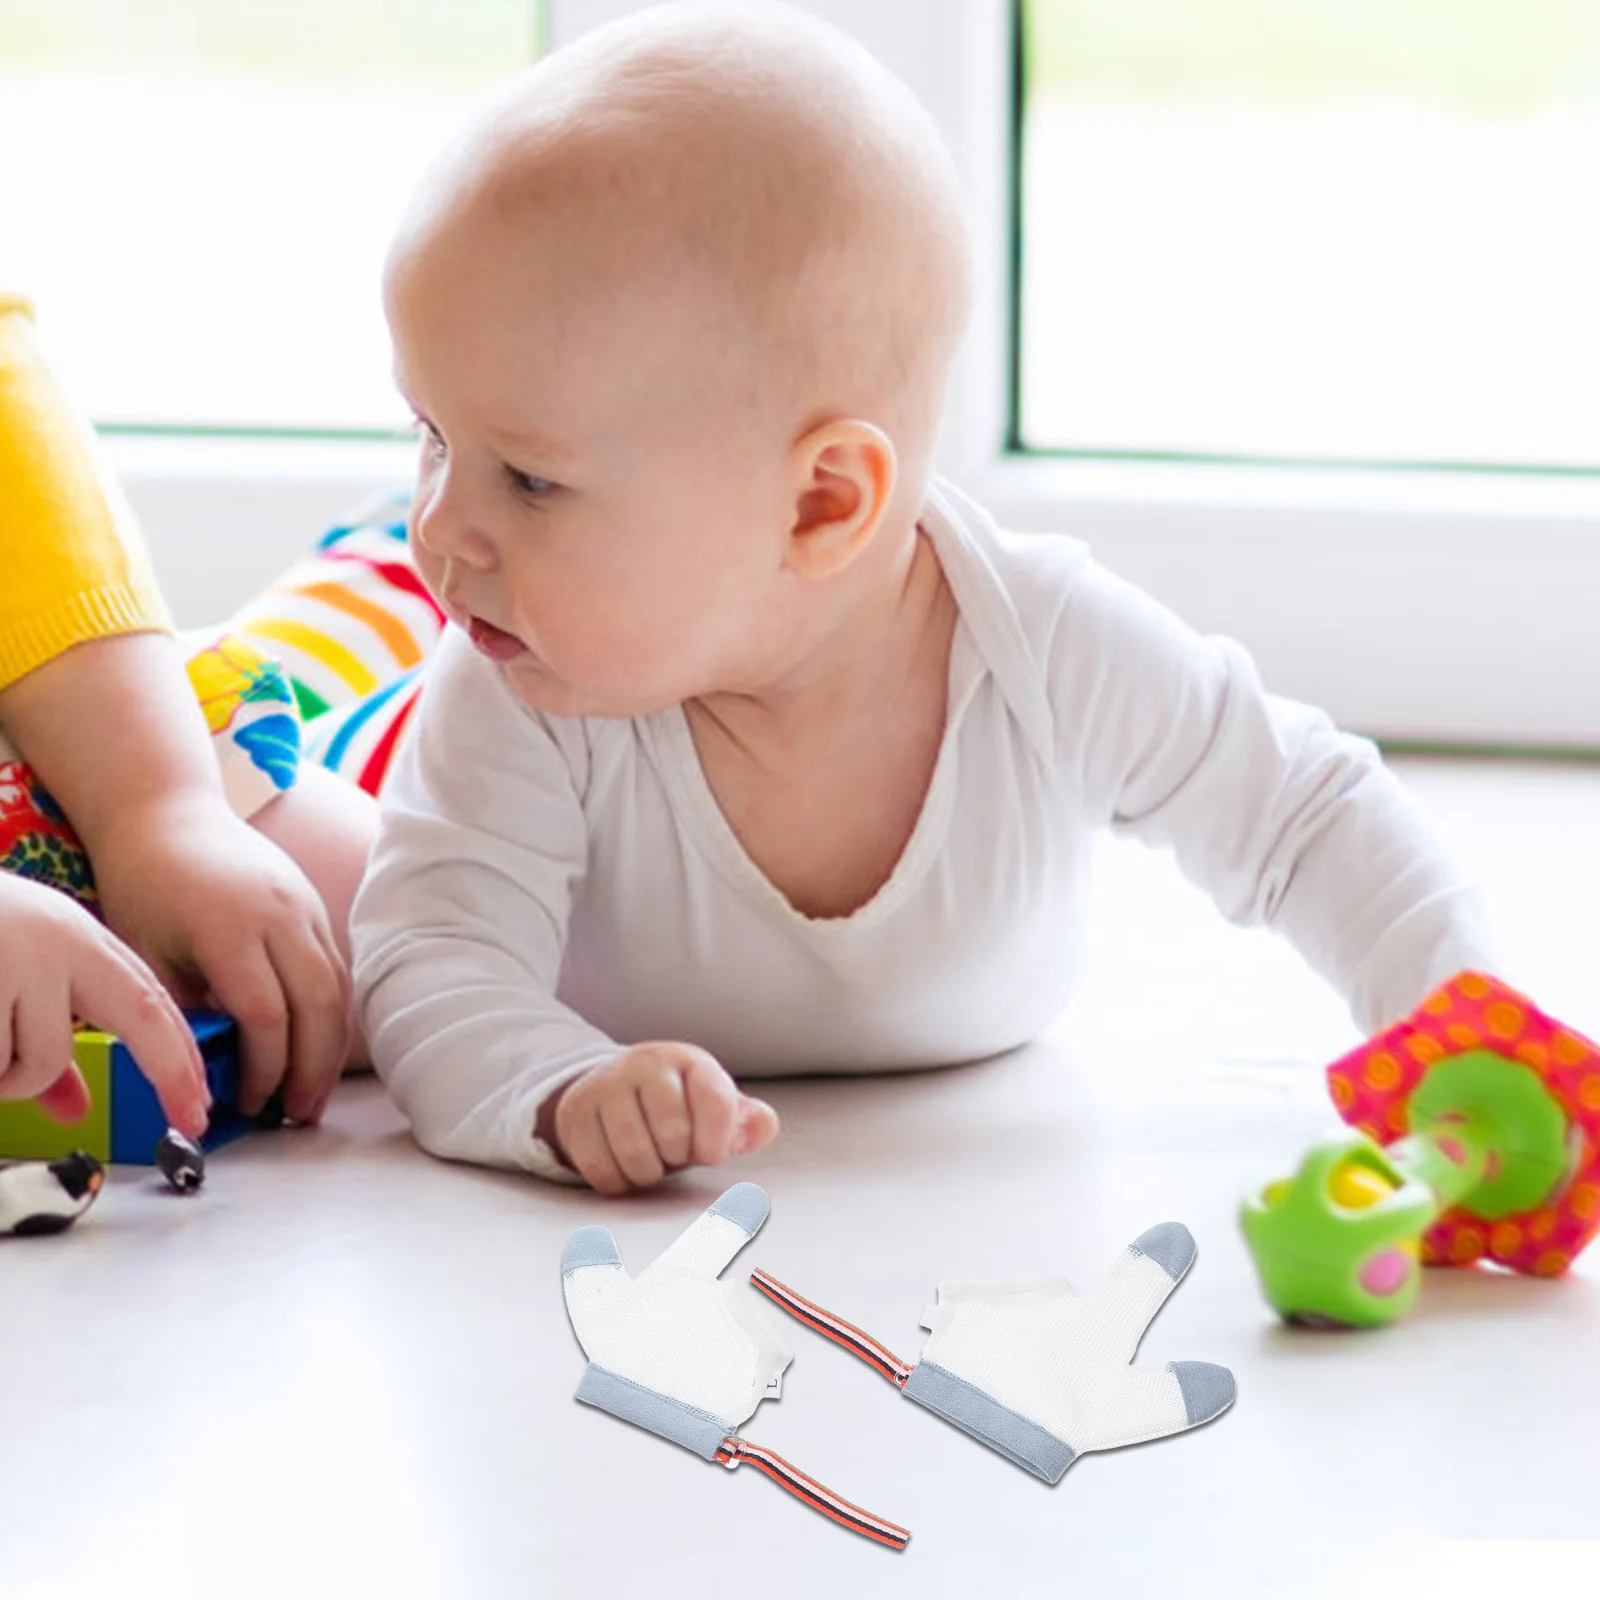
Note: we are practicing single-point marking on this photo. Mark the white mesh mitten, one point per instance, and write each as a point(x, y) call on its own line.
point(1039, 1372)
point(690, 1357)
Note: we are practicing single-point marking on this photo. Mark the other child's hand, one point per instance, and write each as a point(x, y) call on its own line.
point(222, 914)
point(56, 964)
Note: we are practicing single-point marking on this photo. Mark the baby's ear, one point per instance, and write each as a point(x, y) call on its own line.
point(845, 473)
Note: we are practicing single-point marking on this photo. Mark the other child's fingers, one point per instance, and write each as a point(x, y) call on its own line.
point(319, 1017)
point(41, 1040)
point(7, 1011)
point(118, 992)
point(67, 1099)
point(247, 987)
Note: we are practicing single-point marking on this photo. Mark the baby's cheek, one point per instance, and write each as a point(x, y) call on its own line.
point(429, 567)
point(575, 639)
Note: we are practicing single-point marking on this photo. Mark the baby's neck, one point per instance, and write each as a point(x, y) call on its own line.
point(823, 782)
point(894, 634)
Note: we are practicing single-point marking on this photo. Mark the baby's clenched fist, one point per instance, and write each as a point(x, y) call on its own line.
point(658, 1107)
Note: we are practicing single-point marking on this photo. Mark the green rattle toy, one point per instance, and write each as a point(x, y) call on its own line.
point(1479, 1137)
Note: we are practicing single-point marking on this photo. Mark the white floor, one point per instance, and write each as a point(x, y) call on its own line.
point(345, 1370)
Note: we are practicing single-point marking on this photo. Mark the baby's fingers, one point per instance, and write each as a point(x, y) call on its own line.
point(713, 1109)
point(757, 1125)
point(628, 1134)
point(584, 1141)
point(666, 1112)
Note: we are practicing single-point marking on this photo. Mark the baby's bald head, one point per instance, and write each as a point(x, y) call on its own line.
point(739, 204)
point(676, 313)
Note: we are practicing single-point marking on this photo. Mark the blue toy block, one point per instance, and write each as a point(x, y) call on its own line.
point(124, 1122)
point(137, 1121)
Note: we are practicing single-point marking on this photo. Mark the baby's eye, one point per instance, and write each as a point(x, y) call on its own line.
point(527, 483)
point(432, 440)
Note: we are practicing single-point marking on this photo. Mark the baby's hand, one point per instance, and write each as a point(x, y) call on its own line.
point(57, 963)
point(658, 1107)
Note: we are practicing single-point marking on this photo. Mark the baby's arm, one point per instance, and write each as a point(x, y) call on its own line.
point(459, 930)
point(1282, 818)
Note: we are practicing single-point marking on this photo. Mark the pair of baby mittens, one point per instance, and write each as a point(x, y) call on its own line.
point(1031, 1368)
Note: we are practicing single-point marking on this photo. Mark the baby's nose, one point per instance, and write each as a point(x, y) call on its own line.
point(449, 536)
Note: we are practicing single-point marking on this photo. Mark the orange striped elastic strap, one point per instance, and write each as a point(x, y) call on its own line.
point(845, 1334)
point(735, 1451)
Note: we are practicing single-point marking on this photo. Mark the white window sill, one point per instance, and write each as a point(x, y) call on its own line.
point(1441, 607)
point(1453, 608)
point(223, 516)
point(1042, 483)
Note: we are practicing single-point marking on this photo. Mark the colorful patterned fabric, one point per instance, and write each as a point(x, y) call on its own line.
point(36, 840)
point(359, 741)
point(255, 727)
point(352, 626)
point(325, 665)
point(255, 731)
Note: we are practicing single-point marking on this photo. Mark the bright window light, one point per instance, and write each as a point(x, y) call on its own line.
point(198, 193)
point(1336, 230)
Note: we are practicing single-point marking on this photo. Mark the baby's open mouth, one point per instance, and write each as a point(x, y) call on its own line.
point(494, 642)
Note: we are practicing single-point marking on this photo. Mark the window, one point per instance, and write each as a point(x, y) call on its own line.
point(198, 193)
point(1312, 230)
point(1445, 606)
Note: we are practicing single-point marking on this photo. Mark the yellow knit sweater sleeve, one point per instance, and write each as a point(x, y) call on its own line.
point(72, 563)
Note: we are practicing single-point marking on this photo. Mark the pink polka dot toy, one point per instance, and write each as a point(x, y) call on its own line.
point(1478, 1138)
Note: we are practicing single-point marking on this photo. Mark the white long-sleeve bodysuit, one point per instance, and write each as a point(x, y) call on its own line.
point(546, 889)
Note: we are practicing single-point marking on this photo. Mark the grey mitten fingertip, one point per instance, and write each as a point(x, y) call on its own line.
point(745, 1205)
point(592, 1246)
point(1170, 1245)
point(1207, 1390)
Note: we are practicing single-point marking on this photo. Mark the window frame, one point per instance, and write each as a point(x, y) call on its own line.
point(1438, 607)
point(1427, 553)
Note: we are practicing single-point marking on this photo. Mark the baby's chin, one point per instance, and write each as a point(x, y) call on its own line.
point(538, 688)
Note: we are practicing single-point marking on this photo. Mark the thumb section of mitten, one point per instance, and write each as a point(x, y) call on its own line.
point(1137, 1287)
point(717, 1235)
point(1207, 1390)
point(592, 1274)
point(590, 1247)
point(1143, 1403)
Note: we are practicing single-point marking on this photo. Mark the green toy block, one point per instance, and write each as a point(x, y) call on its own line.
point(125, 1123)
point(28, 1134)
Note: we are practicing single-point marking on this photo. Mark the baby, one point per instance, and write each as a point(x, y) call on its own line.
point(756, 748)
